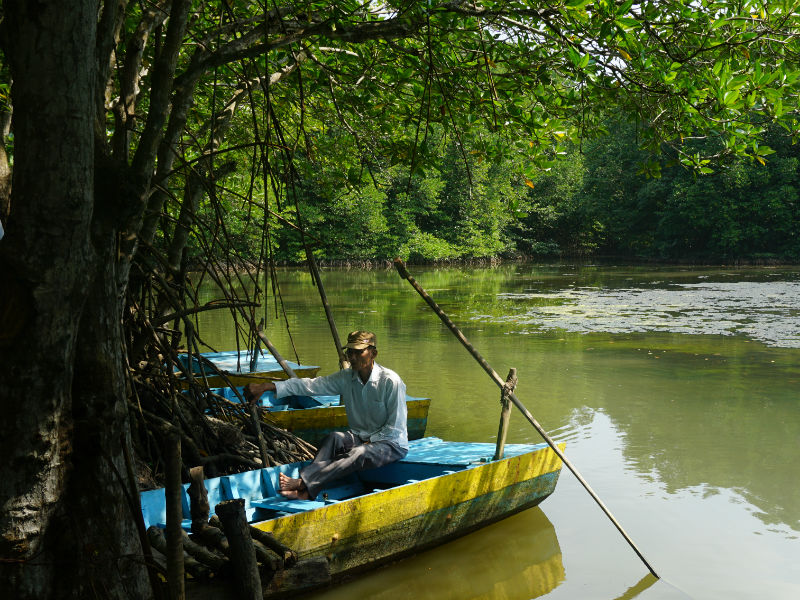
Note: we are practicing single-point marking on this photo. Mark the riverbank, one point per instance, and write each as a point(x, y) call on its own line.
point(369, 264)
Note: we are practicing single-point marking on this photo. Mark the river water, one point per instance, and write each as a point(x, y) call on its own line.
point(675, 389)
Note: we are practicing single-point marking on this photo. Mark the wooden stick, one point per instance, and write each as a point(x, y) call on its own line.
point(247, 579)
point(175, 572)
point(214, 535)
point(401, 268)
point(312, 265)
point(199, 507)
point(205, 555)
point(286, 554)
point(268, 559)
point(255, 420)
point(198, 568)
point(256, 348)
point(505, 413)
point(272, 349)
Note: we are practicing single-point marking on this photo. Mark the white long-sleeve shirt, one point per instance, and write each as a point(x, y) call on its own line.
point(376, 410)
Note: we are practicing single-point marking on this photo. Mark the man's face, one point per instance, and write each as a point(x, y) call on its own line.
point(361, 359)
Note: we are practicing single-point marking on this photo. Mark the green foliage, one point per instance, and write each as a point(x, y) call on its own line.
point(420, 131)
point(615, 191)
point(594, 200)
point(419, 128)
point(743, 210)
point(746, 211)
point(555, 222)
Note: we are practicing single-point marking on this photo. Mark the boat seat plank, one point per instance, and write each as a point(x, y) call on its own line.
point(326, 496)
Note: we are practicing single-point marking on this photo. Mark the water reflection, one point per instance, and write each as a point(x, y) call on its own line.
point(517, 558)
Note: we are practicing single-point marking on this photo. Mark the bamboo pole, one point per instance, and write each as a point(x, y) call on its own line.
point(274, 351)
point(401, 268)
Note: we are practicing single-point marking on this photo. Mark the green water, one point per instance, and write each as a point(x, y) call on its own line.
point(676, 391)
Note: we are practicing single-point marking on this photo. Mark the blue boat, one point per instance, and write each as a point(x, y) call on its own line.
point(236, 367)
point(439, 491)
point(313, 417)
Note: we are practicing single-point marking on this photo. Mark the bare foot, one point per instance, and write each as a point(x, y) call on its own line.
point(289, 483)
point(294, 489)
point(295, 494)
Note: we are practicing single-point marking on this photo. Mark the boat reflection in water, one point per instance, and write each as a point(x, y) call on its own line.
point(518, 557)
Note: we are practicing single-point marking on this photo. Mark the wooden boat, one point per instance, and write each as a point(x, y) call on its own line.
point(313, 417)
point(236, 367)
point(439, 491)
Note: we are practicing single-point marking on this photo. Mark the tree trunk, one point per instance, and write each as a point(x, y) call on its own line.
point(102, 534)
point(65, 529)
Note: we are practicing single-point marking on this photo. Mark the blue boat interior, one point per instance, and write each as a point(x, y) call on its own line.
point(427, 458)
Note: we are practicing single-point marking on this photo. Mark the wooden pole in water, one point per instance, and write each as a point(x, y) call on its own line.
point(401, 268)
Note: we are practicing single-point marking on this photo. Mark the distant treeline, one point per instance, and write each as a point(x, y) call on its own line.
point(460, 202)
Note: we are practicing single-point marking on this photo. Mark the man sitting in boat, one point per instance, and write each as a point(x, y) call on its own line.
point(375, 401)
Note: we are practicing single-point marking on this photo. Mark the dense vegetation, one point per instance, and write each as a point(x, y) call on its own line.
point(594, 200)
point(144, 138)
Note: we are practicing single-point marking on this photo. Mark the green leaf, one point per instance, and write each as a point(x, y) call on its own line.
point(628, 23)
point(624, 8)
point(718, 23)
point(730, 97)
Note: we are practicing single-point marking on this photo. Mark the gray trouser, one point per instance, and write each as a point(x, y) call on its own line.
point(342, 453)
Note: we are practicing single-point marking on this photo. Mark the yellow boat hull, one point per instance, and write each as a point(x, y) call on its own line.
point(361, 532)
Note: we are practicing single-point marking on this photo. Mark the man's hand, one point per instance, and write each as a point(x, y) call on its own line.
point(253, 391)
